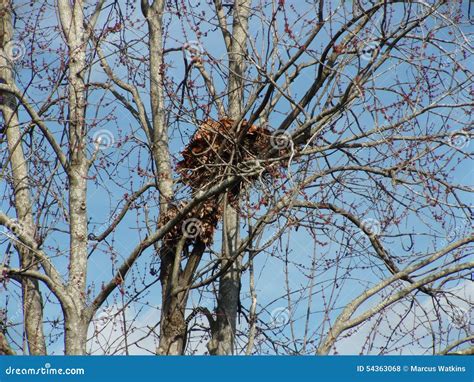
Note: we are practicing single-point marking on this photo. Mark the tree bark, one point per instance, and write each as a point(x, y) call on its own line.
point(173, 327)
point(5, 348)
point(31, 296)
point(75, 331)
point(72, 20)
point(223, 337)
point(161, 155)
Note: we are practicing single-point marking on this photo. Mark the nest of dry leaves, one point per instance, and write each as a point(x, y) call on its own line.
point(214, 149)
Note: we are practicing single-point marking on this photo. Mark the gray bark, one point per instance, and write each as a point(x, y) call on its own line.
point(31, 295)
point(72, 21)
point(172, 328)
point(161, 155)
point(5, 348)
point(223, 337)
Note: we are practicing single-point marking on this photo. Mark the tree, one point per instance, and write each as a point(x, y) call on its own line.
point(267, 176)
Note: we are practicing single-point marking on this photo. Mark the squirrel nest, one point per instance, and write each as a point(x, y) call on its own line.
point(214, 150)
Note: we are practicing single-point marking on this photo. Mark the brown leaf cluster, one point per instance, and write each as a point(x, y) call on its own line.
point(214, 147)
point(199, 223)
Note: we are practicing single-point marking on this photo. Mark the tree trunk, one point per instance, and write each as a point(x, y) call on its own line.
point(72, 20)
point(75, 332)
point(31, 295)
point(222, 341)
point(159, 135)
point(172, 328)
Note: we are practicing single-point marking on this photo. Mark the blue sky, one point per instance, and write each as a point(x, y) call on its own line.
point(111, 184)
